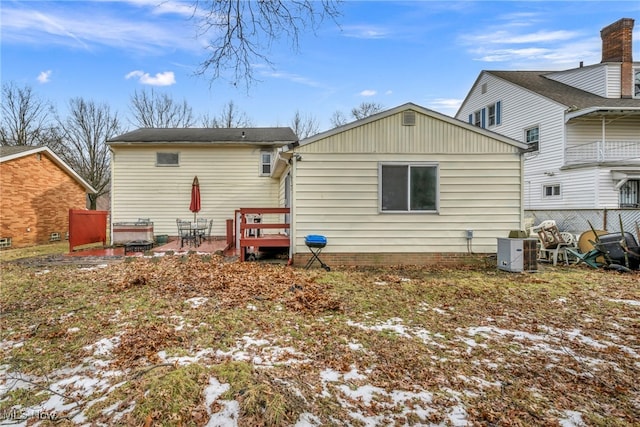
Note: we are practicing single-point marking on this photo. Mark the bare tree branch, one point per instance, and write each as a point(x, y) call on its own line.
point(229, 117)
point(366, 109)
point(240, 33)
point(304, 126)
point(26, 119)
point(338, 119)
point(155, 110)
point(84, 135)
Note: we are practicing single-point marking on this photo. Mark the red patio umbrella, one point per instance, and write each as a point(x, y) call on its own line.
point(195, 197)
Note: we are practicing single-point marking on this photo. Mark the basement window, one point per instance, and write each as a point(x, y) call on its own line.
point(167, 159)
point(54, 237)
point(5, 242)
point(551, 191)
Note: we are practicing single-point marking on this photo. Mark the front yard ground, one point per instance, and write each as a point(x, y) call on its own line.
point(194, 340)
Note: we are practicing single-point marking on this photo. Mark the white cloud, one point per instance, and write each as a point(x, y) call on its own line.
point(44, 76)
point(287, 76)
point(89, 26)
point(368, 92)
point(365, 32)
point(166, 78)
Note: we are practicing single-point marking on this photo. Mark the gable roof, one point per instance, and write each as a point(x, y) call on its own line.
point(536, 81)
point(419, 109)
point(8, 153)
point(208, 136)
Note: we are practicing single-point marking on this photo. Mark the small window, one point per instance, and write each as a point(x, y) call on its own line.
point(492, 115)
point(630, 194)
point(265, 163)
point(532, 138)
point(477, 118)
point(167, 159)
point(5, 242)
point(408, 187)
point(551, 191)
point(636, 83)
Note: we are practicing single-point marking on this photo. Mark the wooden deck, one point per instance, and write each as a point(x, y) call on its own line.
point(251, 235)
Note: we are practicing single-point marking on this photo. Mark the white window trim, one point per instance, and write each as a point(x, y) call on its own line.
point(524, 135)
point(408, 211)
point(634, 76)
point(553, 196)
point(262, 164)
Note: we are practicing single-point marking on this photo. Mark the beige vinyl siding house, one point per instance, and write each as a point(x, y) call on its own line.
point(338, 189)
point(229, 168)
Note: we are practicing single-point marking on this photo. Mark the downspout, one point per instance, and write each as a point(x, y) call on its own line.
point(292, 207)
point(111, 193)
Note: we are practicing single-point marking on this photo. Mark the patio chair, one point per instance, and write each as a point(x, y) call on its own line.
point(552, 242)
point(204, 229)
point(185, 233)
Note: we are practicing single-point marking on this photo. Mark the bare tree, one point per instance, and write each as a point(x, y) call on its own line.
point(84, 135)
point(229, 117)
point(366, 109)
point(241, 32)
point(305, 126)
point(26, 119)
point(338, 118)
point(155, 110)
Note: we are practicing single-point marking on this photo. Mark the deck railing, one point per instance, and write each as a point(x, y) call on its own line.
point(250, 232)
point(602, 151)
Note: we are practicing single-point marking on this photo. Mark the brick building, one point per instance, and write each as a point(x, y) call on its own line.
point(37, 189)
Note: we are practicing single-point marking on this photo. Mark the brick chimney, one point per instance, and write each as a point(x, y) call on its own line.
point(617, 46)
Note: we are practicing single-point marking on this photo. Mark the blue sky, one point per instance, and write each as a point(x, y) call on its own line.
point(389, 53)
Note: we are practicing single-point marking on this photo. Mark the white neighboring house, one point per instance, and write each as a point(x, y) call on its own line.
point(582, 126)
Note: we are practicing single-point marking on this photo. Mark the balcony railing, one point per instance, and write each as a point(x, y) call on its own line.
point(602, 151)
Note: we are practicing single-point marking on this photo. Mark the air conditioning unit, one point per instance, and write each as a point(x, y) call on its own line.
point(517, 255)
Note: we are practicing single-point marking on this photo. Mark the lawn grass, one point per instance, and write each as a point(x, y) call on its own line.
point(182, 340)
point(56, 248)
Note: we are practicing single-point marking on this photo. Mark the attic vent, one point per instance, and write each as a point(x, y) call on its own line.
point(483, 88)
point(5, 242)
point(409, 118)
point(54, 237)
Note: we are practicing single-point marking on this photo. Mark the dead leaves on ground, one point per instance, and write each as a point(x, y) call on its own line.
point(230, 284)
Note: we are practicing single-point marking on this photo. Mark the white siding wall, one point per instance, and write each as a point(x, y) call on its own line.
point(587, 131)
point(229, 179)
point(600, 79)
point(608, 196)
point(522, 109)
point(336, 189)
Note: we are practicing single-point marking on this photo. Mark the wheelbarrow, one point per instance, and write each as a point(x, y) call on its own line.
point(620, 251)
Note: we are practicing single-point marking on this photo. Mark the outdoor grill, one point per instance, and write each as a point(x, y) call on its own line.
point(316, 243)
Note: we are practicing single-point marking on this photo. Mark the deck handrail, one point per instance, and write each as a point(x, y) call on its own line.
point(252, 241)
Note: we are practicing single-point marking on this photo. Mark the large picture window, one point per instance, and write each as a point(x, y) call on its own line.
point(409, 187)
